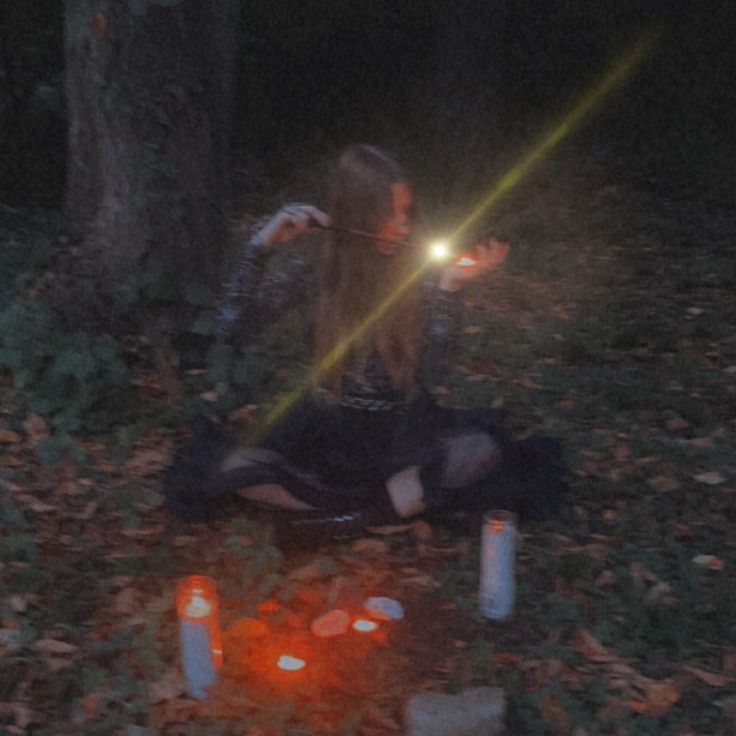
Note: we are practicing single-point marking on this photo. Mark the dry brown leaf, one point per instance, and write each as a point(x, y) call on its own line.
point(728, 663)
point(169, 687)
point(526, 381)
point(587, 645)
point(663, 483)
point(36, 428)
point(421, 531)
point(148, 461)
point(33, 503)
point(8, 437)
point(89, 704)
point(701, 442)
point(709, 678)
point(710, 561)
point(676, 423)
point(127, 601)
point(605, 578)
point(374, 714)
point(53, 646)
point(659, 696)
point(367, 546)
point(641, 573)
point(554, 715)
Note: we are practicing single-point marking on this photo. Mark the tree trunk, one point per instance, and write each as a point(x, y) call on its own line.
point(148, 92)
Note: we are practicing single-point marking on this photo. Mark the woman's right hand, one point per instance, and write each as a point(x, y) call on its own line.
point(291, 221)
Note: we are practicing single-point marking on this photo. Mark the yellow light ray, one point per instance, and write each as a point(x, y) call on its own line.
point(618, 72)
point(614, 77)
point(336, 354)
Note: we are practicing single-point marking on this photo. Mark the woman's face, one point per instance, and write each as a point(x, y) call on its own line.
point(398, 225)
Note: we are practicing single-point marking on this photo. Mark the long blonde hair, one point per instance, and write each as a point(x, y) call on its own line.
point(356, 279)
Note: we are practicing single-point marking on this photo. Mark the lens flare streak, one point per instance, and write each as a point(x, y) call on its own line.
point(614, 77)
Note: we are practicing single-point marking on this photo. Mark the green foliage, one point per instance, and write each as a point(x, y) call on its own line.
point(71, 378)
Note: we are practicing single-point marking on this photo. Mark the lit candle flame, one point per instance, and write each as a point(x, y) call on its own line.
point(287, 662)
point(197, 607)
point(439, 250)
point(364, 626)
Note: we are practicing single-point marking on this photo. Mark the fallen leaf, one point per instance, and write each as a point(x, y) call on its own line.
point(676, 423)
point(709, 678)
point(148, 461)
point(712, 478)
point(587, 645)
point(605, 578)
point(89, 704)
point(36, 428)
point(710, 561)
point(663, 483)
point(7, 437)
point(53, 646)
point(170, 686)
point(554, 714)
point(319, 568)
point(421, 531)
point(375, 714)
point(372, 547)
point(659, 696)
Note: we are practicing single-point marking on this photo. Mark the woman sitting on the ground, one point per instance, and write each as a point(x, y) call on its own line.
point(366, 443)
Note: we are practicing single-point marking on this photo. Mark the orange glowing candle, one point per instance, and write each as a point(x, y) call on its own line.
point(199, 632)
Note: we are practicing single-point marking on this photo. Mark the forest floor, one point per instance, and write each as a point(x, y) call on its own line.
point(610, 327)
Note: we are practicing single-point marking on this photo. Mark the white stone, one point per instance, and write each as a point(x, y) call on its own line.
point(478, 711)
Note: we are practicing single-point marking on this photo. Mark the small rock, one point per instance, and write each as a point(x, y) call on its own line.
point(384, 609)
point(712, 478)
point(370, 547)
point(332, 623)
point(478, 711)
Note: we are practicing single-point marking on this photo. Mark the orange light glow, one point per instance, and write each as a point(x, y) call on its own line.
point(466, 261)
point(364, 625)
point(496, 526)
point(289, 663)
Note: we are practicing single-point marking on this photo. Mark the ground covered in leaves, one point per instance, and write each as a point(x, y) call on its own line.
point(611, 328)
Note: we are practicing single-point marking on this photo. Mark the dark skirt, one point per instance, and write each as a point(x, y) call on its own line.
point(338, 458)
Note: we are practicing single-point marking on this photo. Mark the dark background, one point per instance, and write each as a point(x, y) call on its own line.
point(314, 76)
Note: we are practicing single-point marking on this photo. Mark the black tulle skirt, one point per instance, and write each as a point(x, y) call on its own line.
point(338, 458)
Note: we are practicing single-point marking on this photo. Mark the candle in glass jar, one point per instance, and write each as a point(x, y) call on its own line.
point(199, 633)
point(497, 559)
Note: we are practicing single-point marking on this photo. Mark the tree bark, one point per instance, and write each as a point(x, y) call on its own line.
point(148, 90)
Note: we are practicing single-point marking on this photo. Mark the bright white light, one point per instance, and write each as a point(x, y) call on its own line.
point(439, 250)
point(287, 662)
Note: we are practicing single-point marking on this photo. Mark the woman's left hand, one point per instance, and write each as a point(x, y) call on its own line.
point(487, 256)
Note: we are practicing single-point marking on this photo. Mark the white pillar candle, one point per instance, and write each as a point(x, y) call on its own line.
point(198, 633)
point(497, 560)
